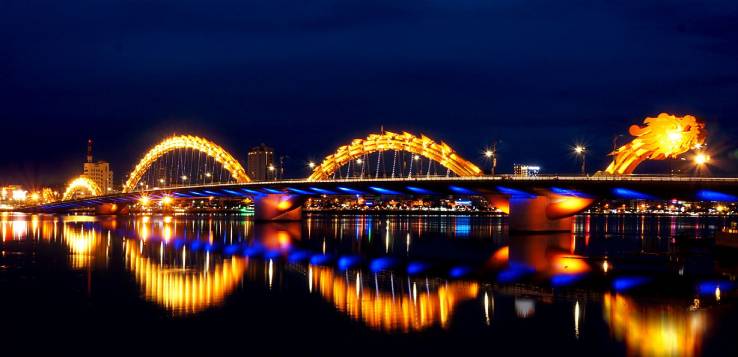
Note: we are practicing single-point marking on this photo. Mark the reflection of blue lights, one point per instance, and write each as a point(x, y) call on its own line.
point(459, 271)
point(630, 194)
point(320, 259)
point(709, 287)
point(209, 247)
point(381, 264)
point(253, 251)
point(383, 191)
point(271, 190)
point(196, 193)
point(462, 225)
point(350, 190)
point(417, 268)
point(565, 279)
point(323, 191)
point(253, 192)
point(626, 283)
point(514, 193)
point(348, 262)
point(461, 190)
point(514, 272)
point(211, 193)
point(419, 190)
point(298, 256)
point(272, 254)
point(707, 195)
point(297, 190)
point(231, 249)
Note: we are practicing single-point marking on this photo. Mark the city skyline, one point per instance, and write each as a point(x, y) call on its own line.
point(294, 78)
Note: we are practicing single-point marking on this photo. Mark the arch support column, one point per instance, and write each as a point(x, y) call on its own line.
point(278, 207)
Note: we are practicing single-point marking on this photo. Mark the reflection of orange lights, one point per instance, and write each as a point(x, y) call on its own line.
point(569, 264)
point(278, 240)
point(184, 291)
point(655, 330)
point(411, 311)
point(499, 257)
point(81, 244)
point(167, 233)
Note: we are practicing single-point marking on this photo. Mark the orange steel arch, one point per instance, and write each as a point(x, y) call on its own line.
point(186, 142)
point(81, 183)
point(418, 145)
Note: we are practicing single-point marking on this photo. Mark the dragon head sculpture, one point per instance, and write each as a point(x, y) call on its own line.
point(662, 137)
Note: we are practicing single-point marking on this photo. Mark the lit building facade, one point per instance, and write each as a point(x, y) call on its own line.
point(526, 170)
point(99, 172)
point(260, 163)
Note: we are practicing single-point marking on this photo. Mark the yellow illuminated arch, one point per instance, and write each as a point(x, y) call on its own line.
point(662, 137)
point(186, 142)
point(81, 184)
point(422, 145)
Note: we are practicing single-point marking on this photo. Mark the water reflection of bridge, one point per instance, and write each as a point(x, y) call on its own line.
point(187, 276)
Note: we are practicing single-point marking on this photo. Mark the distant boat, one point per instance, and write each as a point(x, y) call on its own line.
point(728, 237)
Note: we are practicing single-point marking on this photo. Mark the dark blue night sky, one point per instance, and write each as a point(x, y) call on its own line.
point(306, 76)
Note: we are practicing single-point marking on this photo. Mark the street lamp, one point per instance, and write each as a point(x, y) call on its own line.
point(701, 160)
point(491, 154)
point(311, 165)
point(581, 151)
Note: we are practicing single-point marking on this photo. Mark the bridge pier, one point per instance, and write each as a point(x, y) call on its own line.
point(539, 213)
point(528, 214)
point(278, 207)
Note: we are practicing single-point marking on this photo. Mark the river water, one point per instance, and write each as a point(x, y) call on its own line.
point(365, 285)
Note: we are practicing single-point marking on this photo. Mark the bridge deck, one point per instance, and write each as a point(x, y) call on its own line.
point(625, 187)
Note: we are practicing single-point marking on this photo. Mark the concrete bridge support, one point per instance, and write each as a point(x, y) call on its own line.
point(278, 207)
point(529, 215)
point(540, 213)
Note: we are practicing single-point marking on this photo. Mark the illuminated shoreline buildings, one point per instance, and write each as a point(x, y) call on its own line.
point(99, 172)
point(526, 170)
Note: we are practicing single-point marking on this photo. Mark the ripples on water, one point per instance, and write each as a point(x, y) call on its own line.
point(617, 285)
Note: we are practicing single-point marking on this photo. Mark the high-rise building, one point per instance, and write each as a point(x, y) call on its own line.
point(526, 170)
point(260, 164)
point(99, 172)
